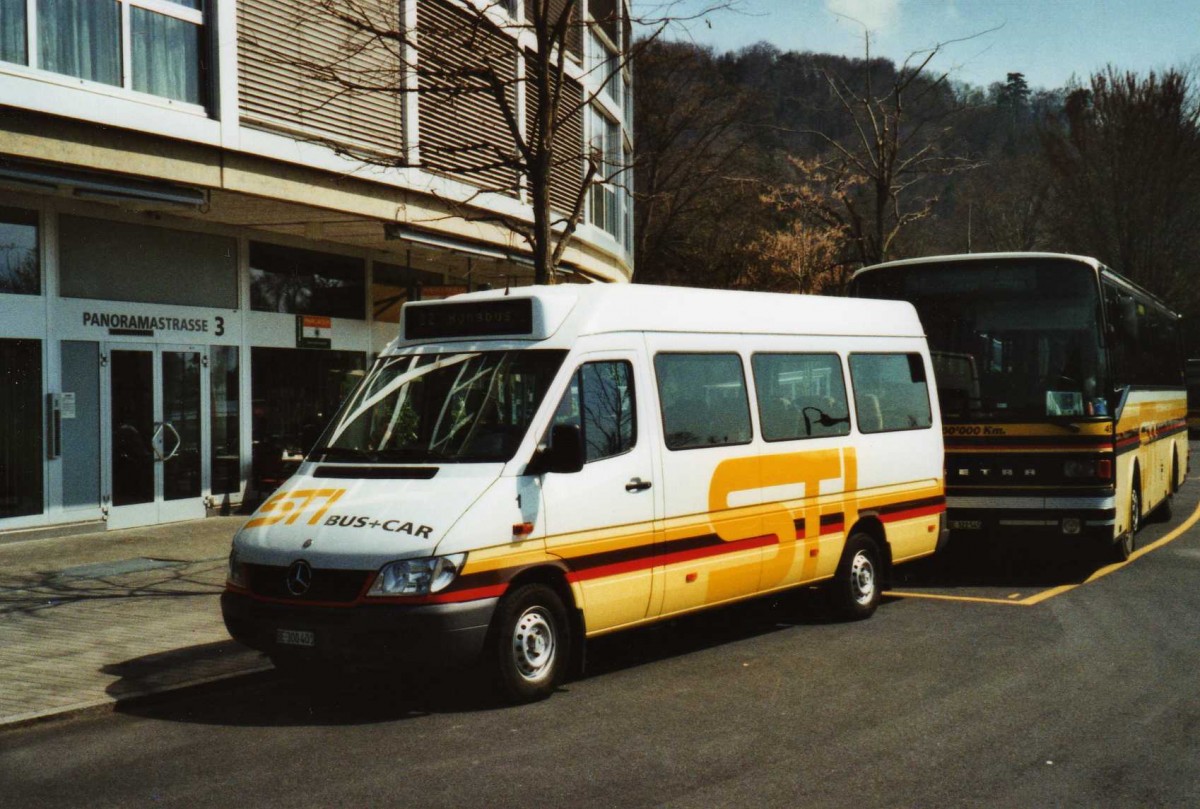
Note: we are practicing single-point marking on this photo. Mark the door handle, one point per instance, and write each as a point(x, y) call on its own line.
point(637, 485)
point(155, 441)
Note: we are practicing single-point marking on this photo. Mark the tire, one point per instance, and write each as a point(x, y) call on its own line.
point(530, 644)
point(855, 590)
point(1123, 548)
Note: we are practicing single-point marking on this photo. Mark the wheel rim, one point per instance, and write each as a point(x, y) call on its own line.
point(533, 644)
point(1135, 513)
point(862, 578)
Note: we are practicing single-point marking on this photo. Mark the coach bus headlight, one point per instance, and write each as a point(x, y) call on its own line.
point(1079, 469)
point(417, 577)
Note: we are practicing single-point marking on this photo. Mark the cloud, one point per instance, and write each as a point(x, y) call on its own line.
point(876, 15)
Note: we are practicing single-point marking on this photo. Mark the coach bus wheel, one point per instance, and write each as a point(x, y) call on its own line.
point(530, 644)
point(855, 589)
point(1123, 548)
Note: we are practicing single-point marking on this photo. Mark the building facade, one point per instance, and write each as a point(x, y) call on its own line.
point(204, 241)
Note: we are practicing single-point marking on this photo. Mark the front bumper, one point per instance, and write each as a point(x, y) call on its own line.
point(1089, 516)
point(431, 635)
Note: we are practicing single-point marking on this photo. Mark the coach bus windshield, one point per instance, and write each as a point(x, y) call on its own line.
point(473, 406)
point(1010, 340)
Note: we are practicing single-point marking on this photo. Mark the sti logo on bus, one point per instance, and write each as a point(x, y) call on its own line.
point(288, 507)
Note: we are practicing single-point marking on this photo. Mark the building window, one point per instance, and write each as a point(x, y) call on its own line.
point(13, 28)
point(20, 428)
point(605, 193)
point(393, 286)
point(295, 392)
point(117, 261)
point(603, 67)
point(19, 267)
point(305, 282)
point(85, 38)
point(165, 53)
point(226, 435)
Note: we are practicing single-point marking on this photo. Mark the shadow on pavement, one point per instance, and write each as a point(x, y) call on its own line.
point(272, 698)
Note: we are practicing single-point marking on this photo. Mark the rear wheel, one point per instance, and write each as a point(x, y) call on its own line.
point(855, 590)
point(530, 643)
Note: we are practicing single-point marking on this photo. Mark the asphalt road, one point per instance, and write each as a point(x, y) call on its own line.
point(1002, 678)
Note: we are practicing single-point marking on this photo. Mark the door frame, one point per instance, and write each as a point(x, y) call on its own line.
point(158, 509)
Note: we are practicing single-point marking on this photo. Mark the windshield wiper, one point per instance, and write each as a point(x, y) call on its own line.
point(338, 454)
point(409, 455)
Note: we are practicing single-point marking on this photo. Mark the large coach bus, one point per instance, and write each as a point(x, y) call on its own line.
point(520, 472)
point(1062, 391)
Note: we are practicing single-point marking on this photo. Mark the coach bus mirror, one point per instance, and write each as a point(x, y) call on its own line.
point(564, 454)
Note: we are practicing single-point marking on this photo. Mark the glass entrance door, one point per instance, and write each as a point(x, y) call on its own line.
point(158, 432)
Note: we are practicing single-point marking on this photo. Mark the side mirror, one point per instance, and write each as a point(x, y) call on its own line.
point(564, 455)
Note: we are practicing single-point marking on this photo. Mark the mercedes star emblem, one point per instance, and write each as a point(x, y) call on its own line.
point(299, 577)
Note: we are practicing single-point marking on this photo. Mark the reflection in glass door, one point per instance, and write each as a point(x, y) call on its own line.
point(181, 424)
point(133, 454)
point(158, 433)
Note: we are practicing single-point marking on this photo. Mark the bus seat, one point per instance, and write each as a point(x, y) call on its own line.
point(870, 416)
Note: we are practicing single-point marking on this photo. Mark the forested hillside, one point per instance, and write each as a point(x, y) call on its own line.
point(765, 169)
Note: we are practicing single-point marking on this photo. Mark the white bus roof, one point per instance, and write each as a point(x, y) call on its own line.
point(964, 257)
point(563, 313)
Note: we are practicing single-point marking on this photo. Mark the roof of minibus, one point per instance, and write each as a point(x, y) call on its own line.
point(574, 310)
point(965, 257)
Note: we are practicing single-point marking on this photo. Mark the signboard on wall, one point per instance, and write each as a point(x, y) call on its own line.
point(436, 292)
point(314, 331)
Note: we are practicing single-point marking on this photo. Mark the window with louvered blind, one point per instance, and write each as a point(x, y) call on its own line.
point(566, 176)
point(463, 129)
point(297, 68)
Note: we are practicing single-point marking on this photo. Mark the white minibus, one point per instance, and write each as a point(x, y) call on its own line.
point(523, 470)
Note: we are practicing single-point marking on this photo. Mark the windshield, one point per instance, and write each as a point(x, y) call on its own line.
point(441, 408)
point(1009, 339)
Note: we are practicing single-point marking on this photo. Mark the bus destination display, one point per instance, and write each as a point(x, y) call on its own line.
point(503, 318)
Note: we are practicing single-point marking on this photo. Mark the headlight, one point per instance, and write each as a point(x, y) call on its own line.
point(417, 577)
point(1079, 469)
point(237, 572)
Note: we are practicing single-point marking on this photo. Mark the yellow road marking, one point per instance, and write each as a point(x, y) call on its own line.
point(1046, 595)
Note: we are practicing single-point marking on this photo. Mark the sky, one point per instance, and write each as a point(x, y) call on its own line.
point(1050, 41)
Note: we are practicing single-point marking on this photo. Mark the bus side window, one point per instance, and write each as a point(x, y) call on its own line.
point(800, 396)
point(703, 399)
point(890, 393)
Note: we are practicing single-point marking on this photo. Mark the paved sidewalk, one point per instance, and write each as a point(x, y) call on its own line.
point(94, 619)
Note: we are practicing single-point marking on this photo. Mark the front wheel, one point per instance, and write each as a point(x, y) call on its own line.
point(1124, 546)
point(530, 643)
point(855, 590)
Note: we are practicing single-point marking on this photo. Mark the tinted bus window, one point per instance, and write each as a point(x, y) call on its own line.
point(890, 392)
point(800, 396)
point(703, 400)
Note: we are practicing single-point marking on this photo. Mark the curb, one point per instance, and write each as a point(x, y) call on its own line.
point(113, 704)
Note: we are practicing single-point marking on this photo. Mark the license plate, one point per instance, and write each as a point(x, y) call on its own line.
point(295, 637)
point(966, 525)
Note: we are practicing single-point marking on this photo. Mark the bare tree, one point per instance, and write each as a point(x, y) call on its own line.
point(494, 76)
point(900, 129)
point(1126, 178)
point(697, 178)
